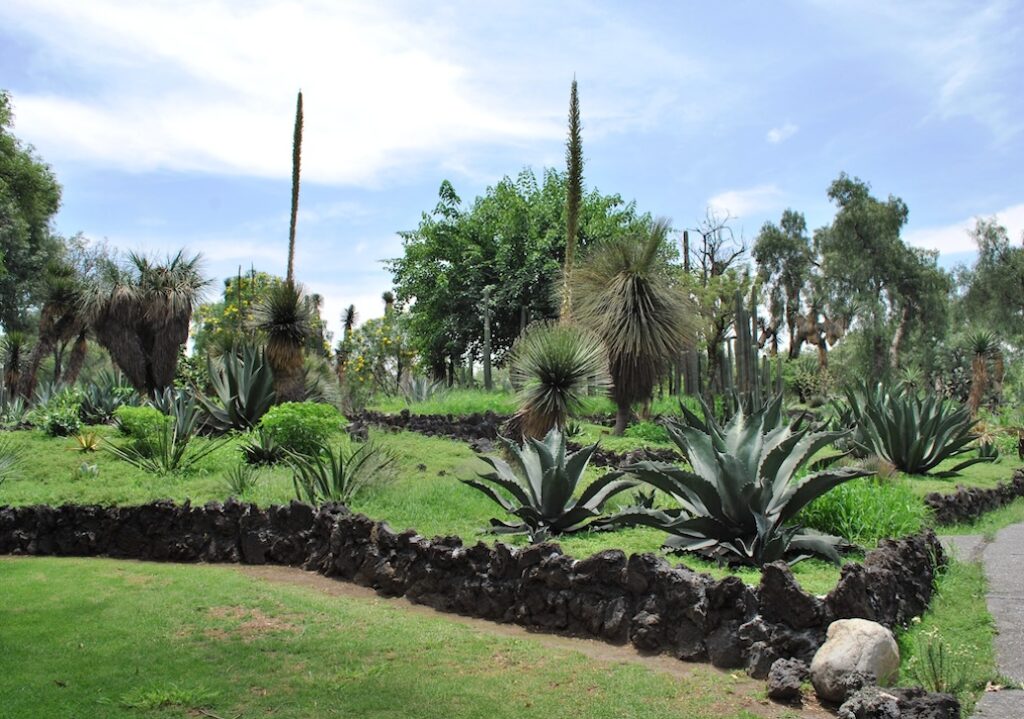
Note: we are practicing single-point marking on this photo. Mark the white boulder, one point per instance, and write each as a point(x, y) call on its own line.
point(854, 649)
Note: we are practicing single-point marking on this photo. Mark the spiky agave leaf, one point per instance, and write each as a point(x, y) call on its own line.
point(553, 367)
point(744, 488)
point(539, 485)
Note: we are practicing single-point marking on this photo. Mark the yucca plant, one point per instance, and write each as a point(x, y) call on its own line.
point(10, 457)
point(541, 483)
point(340, 473)
point(241, 479)
point(983, 345)
point(166, 452)
point(284, 317)
point(86, 442)
point(553, 367)
point(261, 449)
point(912, 432)
point(738, 502)
point(244, 387)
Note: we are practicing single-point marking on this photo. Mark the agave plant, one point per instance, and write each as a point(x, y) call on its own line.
point(102, 397)
point(241, 479)
point(244, 386)
point(542, 484)
point(181, 405)
point(86, 442)
point(339, 474)
point(553, 367)
point(745, 487)
point(912, 432)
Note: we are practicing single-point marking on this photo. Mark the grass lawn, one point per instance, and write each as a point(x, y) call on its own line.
point(103, 638)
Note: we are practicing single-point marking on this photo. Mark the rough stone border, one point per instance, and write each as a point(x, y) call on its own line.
point(641, 599)
point(968, 503)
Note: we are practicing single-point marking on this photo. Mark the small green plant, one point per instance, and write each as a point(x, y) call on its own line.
point(243, 385)
point(939, 668)
point(102, 397)
point(241, 479)
point(85, 471)
point(10, 457)
point(61, 421)
point(86, 442)
point(180, 405)
point(261, 449)
point(166, 452)
point(573, 429)
point(340, 473)
point(302, 427)
point(542, 484)
point(152, 698)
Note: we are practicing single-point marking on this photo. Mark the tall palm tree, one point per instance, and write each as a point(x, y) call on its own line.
point(626, 293)
point(140, 313)
point(60, 320)
point(284, 317)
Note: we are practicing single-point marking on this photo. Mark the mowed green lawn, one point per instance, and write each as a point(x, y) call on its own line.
point(97, 638)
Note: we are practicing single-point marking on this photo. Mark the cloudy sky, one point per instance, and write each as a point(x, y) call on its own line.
point(169, 123)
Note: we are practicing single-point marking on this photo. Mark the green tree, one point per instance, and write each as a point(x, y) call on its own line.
point(29, 198)
point(785, 261)
point(993, 289)
point(512, 238)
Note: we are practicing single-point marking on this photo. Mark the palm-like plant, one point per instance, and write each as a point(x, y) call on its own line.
point(10, 457)
point(984, 345)
point(60, 319)
point(553, 367)
point(284, 318)
point(625, 292)
point(738, 501)
point(244, 387)
point(141, 312)
point(13, 346)
point(912, 432)
point(542, 484)
point(168, 451)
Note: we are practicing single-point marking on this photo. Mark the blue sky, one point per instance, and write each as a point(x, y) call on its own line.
point(169, 123)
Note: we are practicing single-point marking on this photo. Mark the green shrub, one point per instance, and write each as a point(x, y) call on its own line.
point(648, 432)
point(302, 427)
point(61, 421)
point(866, 510)
point(140, 423)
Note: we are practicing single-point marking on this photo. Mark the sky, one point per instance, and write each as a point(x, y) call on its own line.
point(169, 124)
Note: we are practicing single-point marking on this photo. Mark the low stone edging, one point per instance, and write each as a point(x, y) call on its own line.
point(969, 503)
point(641, 599)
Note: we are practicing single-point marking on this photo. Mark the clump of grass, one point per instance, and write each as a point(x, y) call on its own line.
point(172, 695)
point(648, 432)
point(866, 510)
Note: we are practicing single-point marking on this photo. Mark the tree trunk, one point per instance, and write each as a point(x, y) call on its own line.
point(77, 358)
point(979, 380)
point(487, 340)
point(898, 337)
point(30, 376)
point(621, 418)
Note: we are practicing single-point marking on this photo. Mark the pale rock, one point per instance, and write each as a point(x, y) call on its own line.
point(853, 648)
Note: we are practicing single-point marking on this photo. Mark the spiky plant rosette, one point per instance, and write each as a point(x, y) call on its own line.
point(745, 487)
point(284, 317)
point(553, 367)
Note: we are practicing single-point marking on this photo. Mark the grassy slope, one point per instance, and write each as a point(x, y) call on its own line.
point(108, 639)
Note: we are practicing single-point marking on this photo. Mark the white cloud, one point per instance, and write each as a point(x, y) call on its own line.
point(740, 203)
point(956, 237)
point(780, 134)
point(210, 85)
